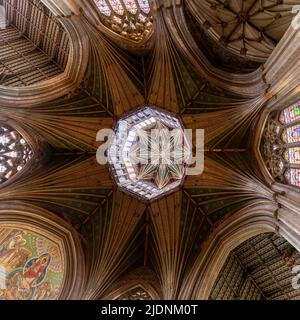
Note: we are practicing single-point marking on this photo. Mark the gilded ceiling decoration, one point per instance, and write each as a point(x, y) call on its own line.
point(120, 233)
point(131, 19)
point(281, 145)
point(31, 266)
point(249, 28)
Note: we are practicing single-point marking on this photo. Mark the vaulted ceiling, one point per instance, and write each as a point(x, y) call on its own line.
point(258, 269)
point(250, 28)
point(218, 87)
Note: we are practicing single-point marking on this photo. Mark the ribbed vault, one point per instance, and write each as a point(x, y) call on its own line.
point(163, 242)
point(250, 29)
point(34, 45)
point(258, 269)
point(136, 294)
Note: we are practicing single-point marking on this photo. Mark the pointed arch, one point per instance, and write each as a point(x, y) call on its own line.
point(130, 19)
point(140, 281)
point(258, 269)
point(280, 146)
point(245, 224)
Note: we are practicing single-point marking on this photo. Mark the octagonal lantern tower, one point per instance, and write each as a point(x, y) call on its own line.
point(148, 153)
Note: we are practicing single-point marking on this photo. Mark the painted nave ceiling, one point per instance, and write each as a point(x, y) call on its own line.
point(71, 228)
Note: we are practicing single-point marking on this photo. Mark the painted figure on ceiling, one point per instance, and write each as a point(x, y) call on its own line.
point(12, 253)
point(30, 266)
point(22, 283)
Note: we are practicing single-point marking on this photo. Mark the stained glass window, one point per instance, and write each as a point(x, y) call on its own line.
point(281, 145)
point(104, 7)
point(293, 155)
point(292, 134)
point(291, 114)
point(293, 177)
point(14, 152)
point(130, 18)
point(144, 6)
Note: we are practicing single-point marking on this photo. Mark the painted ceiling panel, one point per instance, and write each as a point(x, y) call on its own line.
point(32, 267)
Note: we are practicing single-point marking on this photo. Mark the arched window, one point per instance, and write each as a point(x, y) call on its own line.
point(15, 152)
point(291, 114)
point(131, 19)
point(136, 294)
point(281, 145)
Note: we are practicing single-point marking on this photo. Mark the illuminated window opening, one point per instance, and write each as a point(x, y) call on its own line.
point(148, 154)
point(131, 19)
point(14, 152)
point(281, 145)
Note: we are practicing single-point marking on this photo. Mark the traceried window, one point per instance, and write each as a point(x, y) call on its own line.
point(281, 145)
point(131, 19)
point(136, 294)
point(14, 152)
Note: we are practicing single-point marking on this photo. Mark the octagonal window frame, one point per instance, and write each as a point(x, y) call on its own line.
point(185, 165)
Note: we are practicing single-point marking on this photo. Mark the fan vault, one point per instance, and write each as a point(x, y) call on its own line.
point(69, 70)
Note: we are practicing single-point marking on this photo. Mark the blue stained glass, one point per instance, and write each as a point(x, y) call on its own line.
point(145, 7)
point(103, 7)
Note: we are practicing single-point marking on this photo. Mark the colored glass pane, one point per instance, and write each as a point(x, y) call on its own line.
point(290, 114)
point(293, 177)
point(293, 155)
point(103, 7)
point(129, 18)
point(292, 134)
point(144, 5)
